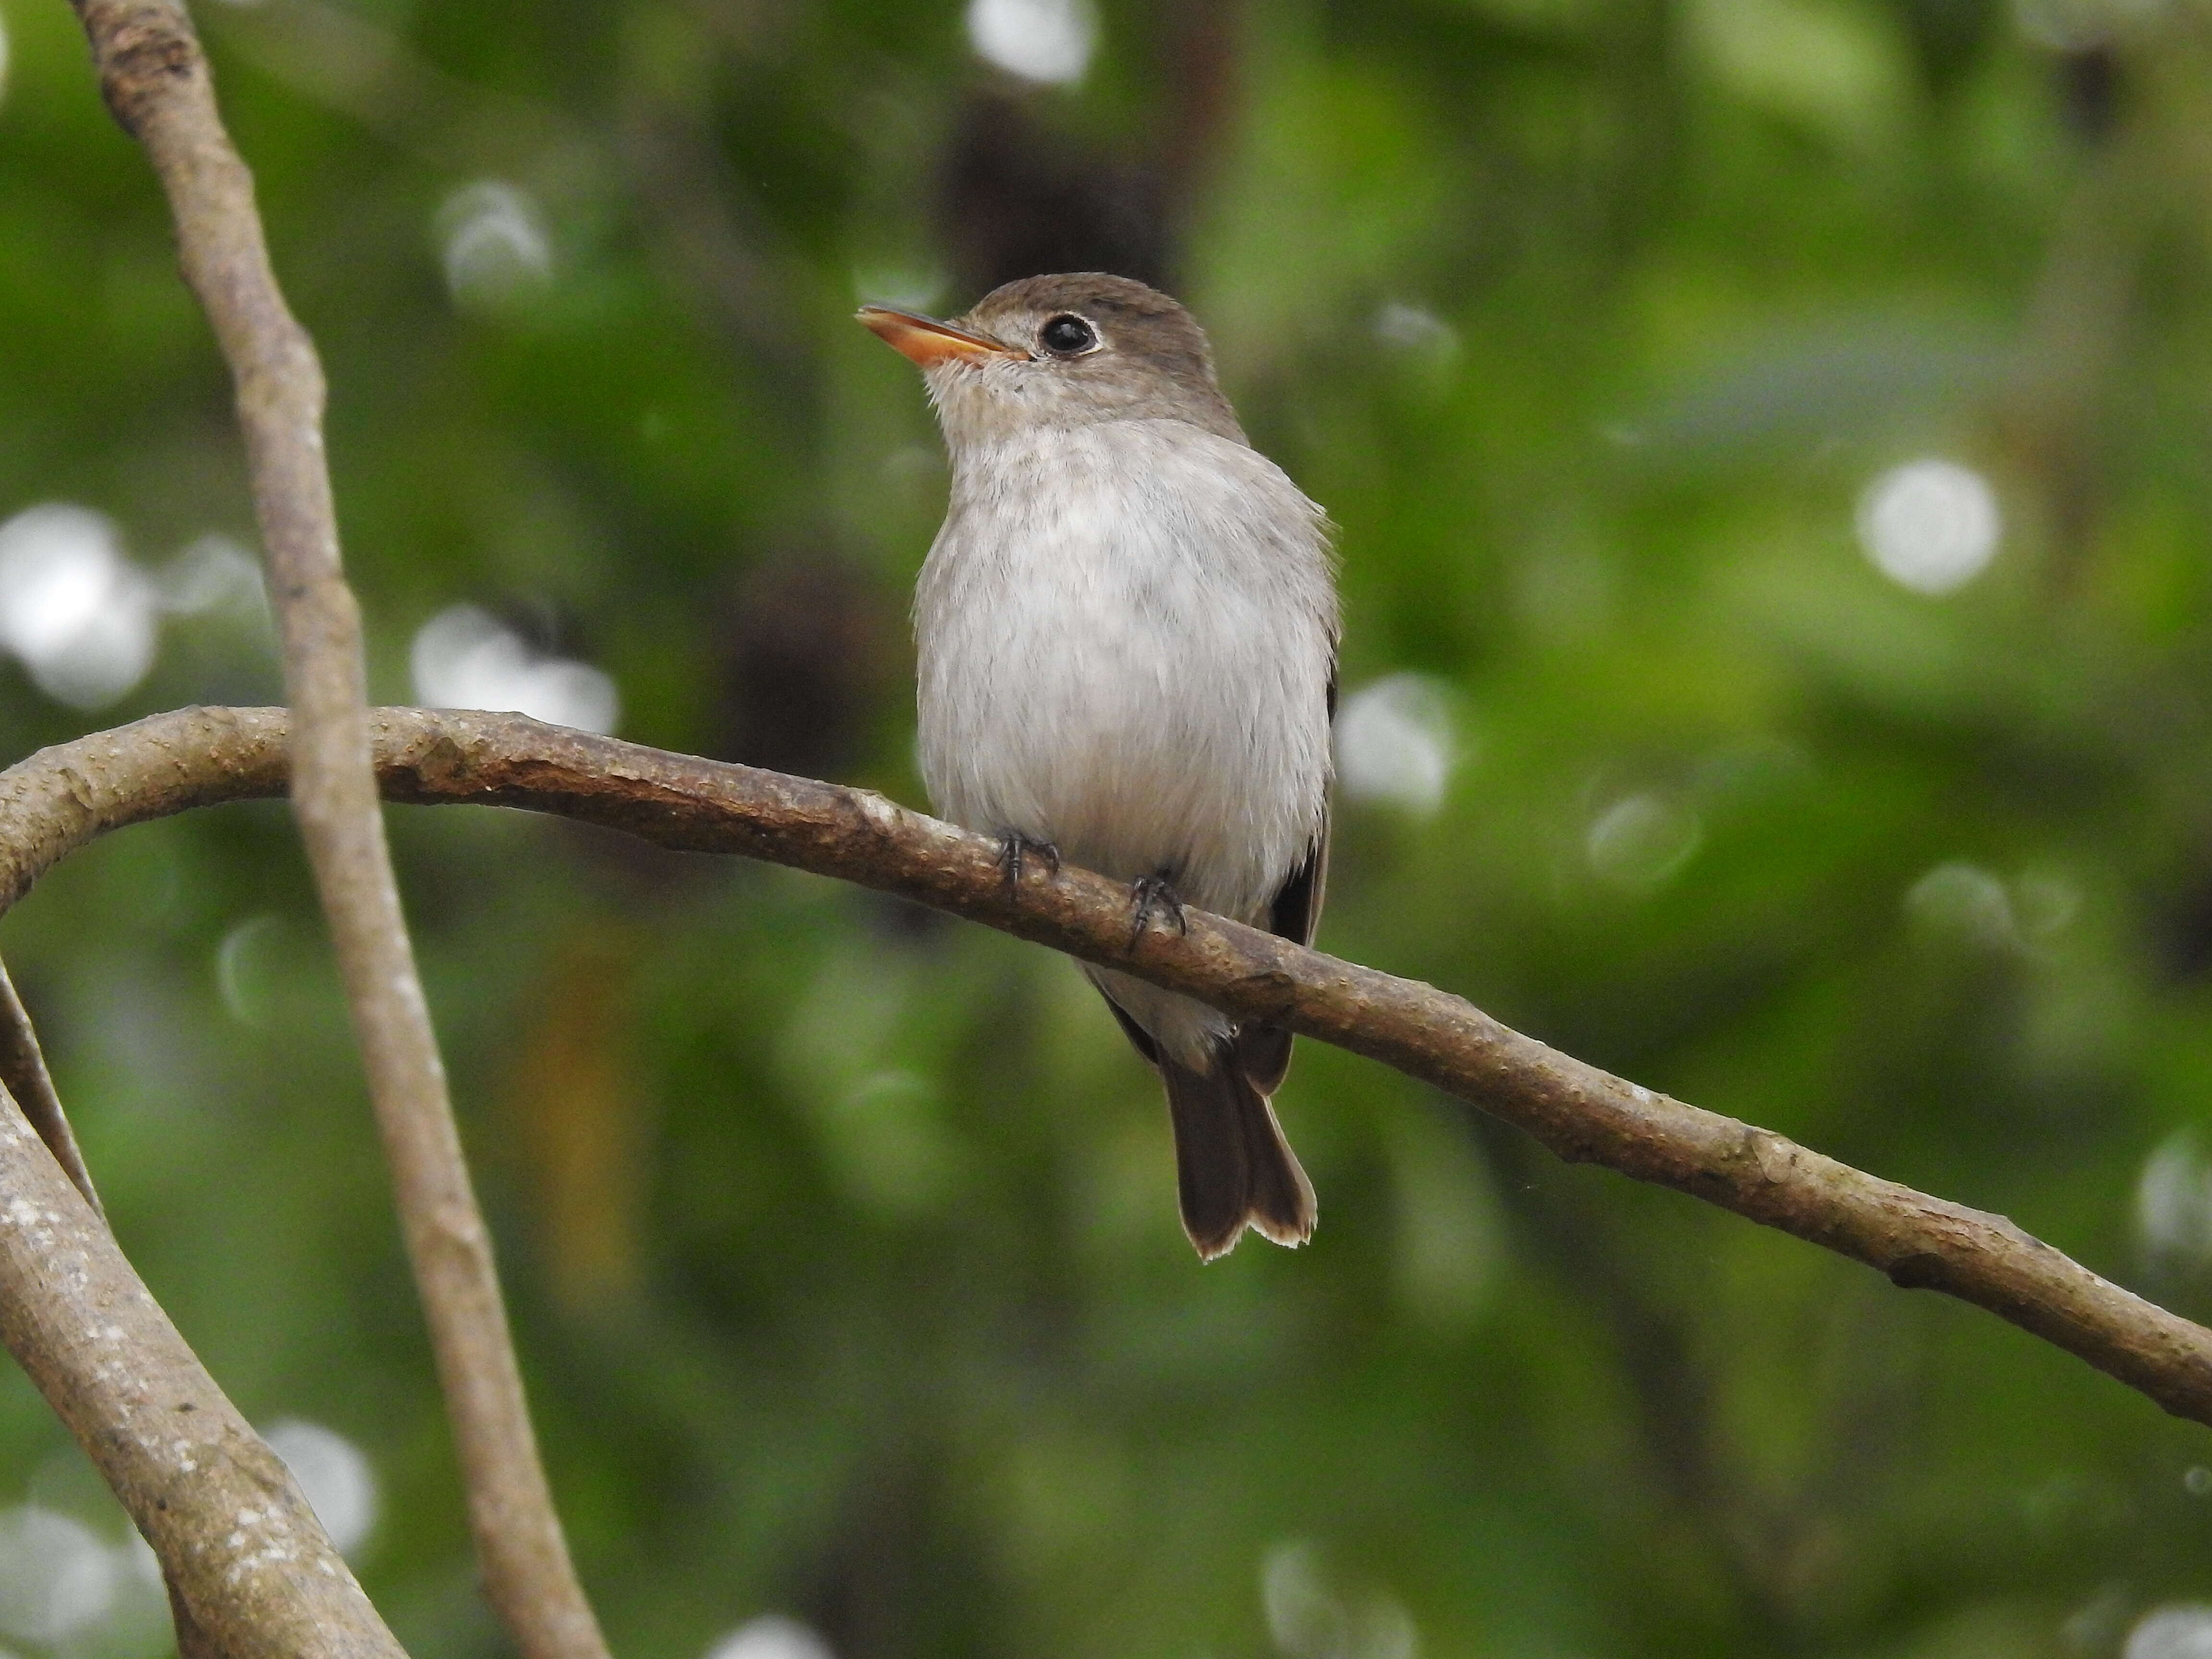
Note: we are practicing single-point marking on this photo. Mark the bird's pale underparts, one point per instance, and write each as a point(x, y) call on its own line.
point(1125, 642)
point(926, 342)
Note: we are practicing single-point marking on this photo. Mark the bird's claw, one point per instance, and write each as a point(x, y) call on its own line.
point(1149, 894)
point(1013, 848)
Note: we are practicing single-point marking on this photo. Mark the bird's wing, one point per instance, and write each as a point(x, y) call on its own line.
point(1263, 1052)
point(1138, 1035)
point(1296, 911)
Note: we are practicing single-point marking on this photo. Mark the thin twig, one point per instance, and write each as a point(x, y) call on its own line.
point(23, 1073)
point(254, 1574)
point(155, 78)
point(62, 798)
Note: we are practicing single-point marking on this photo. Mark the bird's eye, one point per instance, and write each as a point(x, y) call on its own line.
point(1067, 337)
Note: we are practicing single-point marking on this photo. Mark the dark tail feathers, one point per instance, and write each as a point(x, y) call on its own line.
point(1233, 1167)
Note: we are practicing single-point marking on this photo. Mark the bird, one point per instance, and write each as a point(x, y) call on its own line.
point(1127, 633)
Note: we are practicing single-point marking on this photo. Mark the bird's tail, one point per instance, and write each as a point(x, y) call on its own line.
point(1233, 1167)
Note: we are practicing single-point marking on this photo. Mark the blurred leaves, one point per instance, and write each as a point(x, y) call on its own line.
point(842, 1240)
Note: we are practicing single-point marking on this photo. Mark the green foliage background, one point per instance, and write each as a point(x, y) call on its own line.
point(841, 1239)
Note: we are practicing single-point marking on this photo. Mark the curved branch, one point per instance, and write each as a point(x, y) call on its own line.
point(62, 798)
point(253, 1573)
point(155, 78)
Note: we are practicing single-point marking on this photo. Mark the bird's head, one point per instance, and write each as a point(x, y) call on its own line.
point(1066, 351)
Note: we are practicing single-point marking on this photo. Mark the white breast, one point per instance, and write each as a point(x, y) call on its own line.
point(1127, 632)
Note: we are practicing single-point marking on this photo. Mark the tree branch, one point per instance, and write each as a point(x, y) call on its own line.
point(248, 1566)
point(23, 1073)
point(155, 78)
point(62, 798)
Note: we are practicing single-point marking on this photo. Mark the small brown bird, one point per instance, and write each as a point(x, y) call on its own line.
point(1128, 633)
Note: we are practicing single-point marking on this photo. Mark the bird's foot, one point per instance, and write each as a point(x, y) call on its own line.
point(1149, 895)
point(1013, 848)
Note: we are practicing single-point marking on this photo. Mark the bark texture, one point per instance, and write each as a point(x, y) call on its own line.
point(251, 1573)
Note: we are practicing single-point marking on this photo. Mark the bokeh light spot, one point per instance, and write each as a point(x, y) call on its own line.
point(493, 245)
point(1416, 331)
point(1930, 526)
point(1047, 40)
point(1394, 743)
point(1308, 1618)
point(2182, 1631)
point(1966, 903)
point(1303, 1617)
point(74, 610)
point(1640, 842)
point(141, 1563)
point(213, 573)
point(247, 972)
point(334, 1476)
point(56, 1578)
point(2173, 1203)
point(903, 288)
point(771, 1636)
point(465, 658)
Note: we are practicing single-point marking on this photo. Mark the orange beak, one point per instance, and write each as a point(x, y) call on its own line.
point(927, 342)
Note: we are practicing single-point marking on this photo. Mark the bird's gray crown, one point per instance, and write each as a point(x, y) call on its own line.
point(1099, 348)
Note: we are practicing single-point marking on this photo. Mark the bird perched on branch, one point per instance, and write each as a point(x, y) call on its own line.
point(1127, 632)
